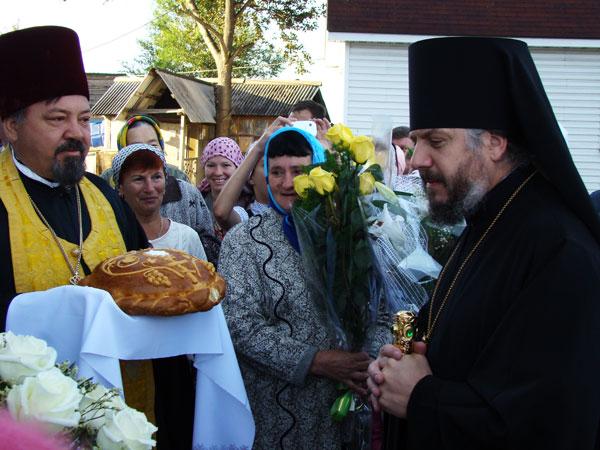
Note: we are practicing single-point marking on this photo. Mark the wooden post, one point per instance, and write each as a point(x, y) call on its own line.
point(182, 140)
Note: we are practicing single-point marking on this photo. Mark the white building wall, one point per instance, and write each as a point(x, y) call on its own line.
point(377, 85)
point(376, 90)
point(571, 78)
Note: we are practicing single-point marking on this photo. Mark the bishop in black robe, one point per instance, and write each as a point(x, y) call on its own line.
point(514, 355)
point(515, 351)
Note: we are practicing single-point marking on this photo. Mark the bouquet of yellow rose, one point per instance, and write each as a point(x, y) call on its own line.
point(332, 234)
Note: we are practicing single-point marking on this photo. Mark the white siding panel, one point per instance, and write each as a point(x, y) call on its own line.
point(377, 77)
point(377, 86)
point(571, 78)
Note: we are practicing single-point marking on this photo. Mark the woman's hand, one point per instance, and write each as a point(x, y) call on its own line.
point(348, 367)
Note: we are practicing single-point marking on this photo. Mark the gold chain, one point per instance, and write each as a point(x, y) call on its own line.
point(75, 278)
point(431, 324)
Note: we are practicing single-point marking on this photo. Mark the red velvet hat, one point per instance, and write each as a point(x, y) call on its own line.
point(40, 63)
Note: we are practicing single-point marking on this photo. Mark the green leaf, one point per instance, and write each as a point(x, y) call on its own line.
point(375, 170)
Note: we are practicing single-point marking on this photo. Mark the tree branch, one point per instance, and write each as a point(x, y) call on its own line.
point(241, 49)
point(211, 35)
point(242, 8)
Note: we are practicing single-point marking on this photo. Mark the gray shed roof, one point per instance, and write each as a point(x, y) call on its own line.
point(270, 97)
point(115, 98)
point(196, 97)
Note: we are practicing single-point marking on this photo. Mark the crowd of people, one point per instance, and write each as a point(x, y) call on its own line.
point(506, 350)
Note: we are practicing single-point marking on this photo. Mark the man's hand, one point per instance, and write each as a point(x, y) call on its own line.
point(376, 375)
point(400, 378)
point(349, 368)
point(323, 125)
point(275, 125)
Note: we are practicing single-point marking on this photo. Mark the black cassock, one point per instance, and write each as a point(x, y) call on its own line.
point(174, 377)
point(515, 354)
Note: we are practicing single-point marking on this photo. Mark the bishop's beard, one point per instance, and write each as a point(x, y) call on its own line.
point(465, 192)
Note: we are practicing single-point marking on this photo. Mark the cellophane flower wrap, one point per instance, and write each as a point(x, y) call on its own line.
point(399, 243)
point(409, 248)
point(35, 389)
point(332, 234)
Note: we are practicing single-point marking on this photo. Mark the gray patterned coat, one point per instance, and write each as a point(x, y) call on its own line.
point(276, 330)
point(184, 203)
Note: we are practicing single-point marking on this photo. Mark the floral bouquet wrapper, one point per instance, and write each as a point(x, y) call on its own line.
point(338, 275)
point(399, 246)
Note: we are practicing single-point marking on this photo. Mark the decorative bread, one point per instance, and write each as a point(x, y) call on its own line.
point(158, 282)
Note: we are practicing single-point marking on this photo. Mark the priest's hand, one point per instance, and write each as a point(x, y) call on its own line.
point(376, 375)
point(347, 367)
point(400, 377)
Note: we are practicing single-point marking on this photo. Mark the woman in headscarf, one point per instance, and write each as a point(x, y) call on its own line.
point(142, 129)
point(285, 344)
point(181, 201)
point(220, 159)
point(139, 174)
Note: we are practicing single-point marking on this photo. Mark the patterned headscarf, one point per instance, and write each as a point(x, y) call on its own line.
point(122, 136)
point(221, 146)
point(126, 152)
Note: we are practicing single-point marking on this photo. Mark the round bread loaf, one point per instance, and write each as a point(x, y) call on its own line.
point(158, 282)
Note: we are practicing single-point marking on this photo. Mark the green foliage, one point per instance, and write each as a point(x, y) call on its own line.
point(177, 44)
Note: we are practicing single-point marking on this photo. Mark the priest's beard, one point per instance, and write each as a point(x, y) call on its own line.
point(466, 188)
point(69, 170)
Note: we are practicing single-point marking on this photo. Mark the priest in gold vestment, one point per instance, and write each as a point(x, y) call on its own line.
point(57, 222)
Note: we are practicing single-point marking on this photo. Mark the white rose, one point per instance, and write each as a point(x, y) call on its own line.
point(94, 403)
point(49, 397)
point(127, 429)
point(23, 356)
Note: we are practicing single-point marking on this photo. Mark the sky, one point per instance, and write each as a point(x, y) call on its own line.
point(108, 29)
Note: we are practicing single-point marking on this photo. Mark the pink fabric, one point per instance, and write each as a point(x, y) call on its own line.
point(25, 436)
point(221, 146)
point(400, 159)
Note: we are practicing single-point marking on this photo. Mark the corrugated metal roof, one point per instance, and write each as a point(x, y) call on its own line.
point(98, 84)
point(197, 98)
point(271, 98)
point(115, 98)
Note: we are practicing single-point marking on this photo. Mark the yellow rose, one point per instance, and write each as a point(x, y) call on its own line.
point(366, 183)
point(322, 180)
point(301, 184)
point(339, 134)
point(362, 149)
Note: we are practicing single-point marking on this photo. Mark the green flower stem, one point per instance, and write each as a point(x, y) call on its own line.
point(341, 406)
point(333, 218)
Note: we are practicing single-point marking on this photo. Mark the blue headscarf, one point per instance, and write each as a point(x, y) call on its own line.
point(318, 156)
